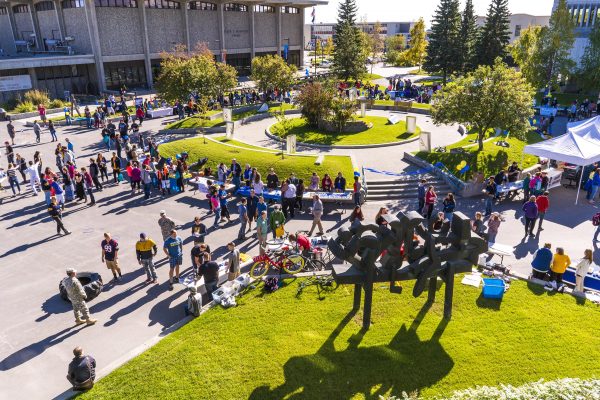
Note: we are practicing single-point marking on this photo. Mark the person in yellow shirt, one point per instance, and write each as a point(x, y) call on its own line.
point(146, 249)
point(560, 262)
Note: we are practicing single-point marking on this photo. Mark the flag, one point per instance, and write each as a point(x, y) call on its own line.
point(313, 15)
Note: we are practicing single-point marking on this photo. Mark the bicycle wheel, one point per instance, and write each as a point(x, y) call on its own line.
point(259, 269)
point(293, 263)
point(327, 284)
point(317, 265)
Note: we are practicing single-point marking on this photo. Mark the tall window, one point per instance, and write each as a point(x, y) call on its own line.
point(21, 9)
point(290, 10)
point(236, 7)
point(116, 3)
point(201, 5)
point(72, 4)
point(260, 8)
point(517, 30)
point(162, 4)
point(3, 11)
point(44, 6)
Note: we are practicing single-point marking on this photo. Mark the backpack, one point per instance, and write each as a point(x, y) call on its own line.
point(596, 219)
point(271, 284)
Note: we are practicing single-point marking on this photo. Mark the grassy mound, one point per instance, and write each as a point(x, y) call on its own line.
point(381, 132)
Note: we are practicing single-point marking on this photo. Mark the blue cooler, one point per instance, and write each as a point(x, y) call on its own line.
point(493, 288)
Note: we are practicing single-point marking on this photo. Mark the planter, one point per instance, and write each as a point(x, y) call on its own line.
point(31, 114)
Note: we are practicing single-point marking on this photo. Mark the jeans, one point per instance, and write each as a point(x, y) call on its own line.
point(147, 190)
point(88, 123)
point(14, 182)
point(492, 237)
point(488, 205)
point(53, 134)
point(597, 233)
point(529, 225)
point(448, 216)
point(236, 181)
point(421, 205)
point(48, 195)
point(149, 268)
point(59, 225)
point(89, 192)
point(594, 191)
point(217, 216)
point(242, 232)
point(356, 197)
point(68, 119)
point(541, 216)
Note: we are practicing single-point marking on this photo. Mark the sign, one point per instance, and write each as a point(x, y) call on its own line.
point(291, 144)
point(15, 82)
point(393, 119)
point(139, 102)
point(307, 73)
point(227, 114)
point(548, 111)
point(425, 141)
point(286, 48)
point(229, 129)
point(411, 124)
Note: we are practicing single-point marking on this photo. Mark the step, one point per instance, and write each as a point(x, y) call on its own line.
point(438, 189)
point(407, 180)
point(399, 184)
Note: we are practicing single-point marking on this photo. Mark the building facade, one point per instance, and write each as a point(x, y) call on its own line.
point(585, 14)
point(90, 46)
point(324, 31)
point(520, 22)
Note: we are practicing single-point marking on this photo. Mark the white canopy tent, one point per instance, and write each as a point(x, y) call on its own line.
point(579, 146)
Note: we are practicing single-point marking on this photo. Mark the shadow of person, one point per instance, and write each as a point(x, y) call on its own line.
point(54, 305)
point(368, 371)
point(164, 312)
point(35, 349)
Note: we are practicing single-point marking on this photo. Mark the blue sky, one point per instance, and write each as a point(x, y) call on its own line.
point(411, 10)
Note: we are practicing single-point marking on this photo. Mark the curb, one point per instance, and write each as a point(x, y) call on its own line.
point(357, 146)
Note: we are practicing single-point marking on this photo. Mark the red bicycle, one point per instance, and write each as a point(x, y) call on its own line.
point(280, 259)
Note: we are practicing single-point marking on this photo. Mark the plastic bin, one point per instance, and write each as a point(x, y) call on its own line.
point(493, 288)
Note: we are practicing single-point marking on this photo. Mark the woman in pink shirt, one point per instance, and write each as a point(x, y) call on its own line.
point(430, 199)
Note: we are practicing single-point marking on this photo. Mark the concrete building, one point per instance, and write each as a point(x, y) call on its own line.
point(586, 14)
point(89, 46)
point(520, 22)
point(324, 31)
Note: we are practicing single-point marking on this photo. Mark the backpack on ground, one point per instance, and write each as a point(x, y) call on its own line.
point(596, 219)
point(271, 284)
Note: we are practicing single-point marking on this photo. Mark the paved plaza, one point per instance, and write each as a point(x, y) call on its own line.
point(37, 334)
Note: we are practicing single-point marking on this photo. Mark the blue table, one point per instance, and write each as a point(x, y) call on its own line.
point(590, 282)
point(274, 195)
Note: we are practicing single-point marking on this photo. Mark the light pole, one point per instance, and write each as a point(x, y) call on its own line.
point(219, 50)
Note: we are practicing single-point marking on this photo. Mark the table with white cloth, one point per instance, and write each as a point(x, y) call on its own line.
point(499, 249)
point(202, 181)
point(333, 197)
point(159, 112)
point(554, 179)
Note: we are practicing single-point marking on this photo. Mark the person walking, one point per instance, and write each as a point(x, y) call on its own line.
point(37, 130)
point(52, 130)
point(421, 189)
point(55, 211)
point(166, 225)
point(34, 176)
point(582, 269)
point(449, 204)
point(216, 207)
point(173, 248)
point(146, 249)
point(243, 211)
point(543, 204)
point(317, 211)
point(77, 297)
point(490, 192)
point(277, 222)
point(88, 183)
point(560, 262)
point(233, 262)
point(110, 250)
point(430, 200)
point(531, 212)
point(82, 371)
point(11, 132)
point(11, 172)
point(262, 228)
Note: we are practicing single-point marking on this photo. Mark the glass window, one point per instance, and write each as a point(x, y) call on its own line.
point(72, 4)
point(260, 8)
point(21, 9)
point(586, 14)
point(3, 11)
point(116, 3)
point(44, 6)
point(290, 10)
point(162, 4)
point(517, 30)
point(236, 7)
point(201, 5)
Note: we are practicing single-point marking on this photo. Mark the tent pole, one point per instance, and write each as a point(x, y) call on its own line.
point(579, 186)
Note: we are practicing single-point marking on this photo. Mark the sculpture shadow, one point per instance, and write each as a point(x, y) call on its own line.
point(407, 364)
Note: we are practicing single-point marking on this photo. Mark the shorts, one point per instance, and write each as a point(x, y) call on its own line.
point(175, 261)
point(113, 265)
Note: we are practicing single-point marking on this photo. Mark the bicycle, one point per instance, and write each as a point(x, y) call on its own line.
point(281, 260)
point(324, 283)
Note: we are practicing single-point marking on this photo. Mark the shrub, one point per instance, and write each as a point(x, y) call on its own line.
point(36, 97)
point(24, 107)
point(315, 99)
point(342, 111)
point(57, 103)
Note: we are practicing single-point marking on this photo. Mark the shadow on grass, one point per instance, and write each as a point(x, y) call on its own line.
point(492, 304)
point(407, 364)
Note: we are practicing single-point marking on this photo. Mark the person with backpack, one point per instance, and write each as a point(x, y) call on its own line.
point(449, 204)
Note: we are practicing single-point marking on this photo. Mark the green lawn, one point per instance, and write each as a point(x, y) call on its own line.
point(223, 139)
point(390, 103)
point(195, 121)
point(303, 167)
point(489, 161)
point(381, 132)
point(565, 99)
point(278, 346)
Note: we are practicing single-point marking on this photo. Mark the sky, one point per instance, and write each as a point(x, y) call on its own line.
point(411, 10)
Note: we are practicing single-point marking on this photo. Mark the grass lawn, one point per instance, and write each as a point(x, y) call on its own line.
point(390, 103)
point(489, 161)
point(381, 132)
point(195, 121)
point(303, 167)
point(223, 139)
point(278, 346)
point(565, 99)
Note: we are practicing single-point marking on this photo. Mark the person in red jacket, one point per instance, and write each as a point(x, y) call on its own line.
point(326, 184)
point(140, 114)
point(430, 199)
point(543, 204)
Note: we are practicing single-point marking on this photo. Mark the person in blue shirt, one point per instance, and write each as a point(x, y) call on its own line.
point(261, 206)
point(243, 211)
point(70, 146)
point(223, 195)
point(173, 248)
point(542, 259)
point(58, 193)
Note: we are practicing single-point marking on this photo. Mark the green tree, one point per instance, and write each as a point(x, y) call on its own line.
point(342, 111)
point(394, 46)
point(543, 53)
point(377, 40)
point(468, 38)
point(494, 36)
point(490, 97)
point(418, 45)
point(444, 40)
point(318, 47)
point(272, 72)
point(349, 57)
point(589, 73)
point(225, 78)
point(315, 100)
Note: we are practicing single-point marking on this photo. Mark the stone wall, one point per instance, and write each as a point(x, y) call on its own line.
point(237, 30)
point(24, 25)
point(165, 29)
point(204, 27)
point(6, 36)
point(291, 27)
point(76, 27)
point(48, 24)
point(265, 30)
point(120, 31)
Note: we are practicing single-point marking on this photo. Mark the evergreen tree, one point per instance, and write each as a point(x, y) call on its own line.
point(349, 57)
point(468, 38)
point(494, 36)
point(590, 62)
point(444, 41)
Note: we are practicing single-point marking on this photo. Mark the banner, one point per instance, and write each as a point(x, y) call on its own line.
point(227, 114)
point(15, 82)
point(286, 48)
point(291, 144)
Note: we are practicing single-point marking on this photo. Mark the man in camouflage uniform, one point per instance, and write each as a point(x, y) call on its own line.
point(166, 225)
point(77, 296)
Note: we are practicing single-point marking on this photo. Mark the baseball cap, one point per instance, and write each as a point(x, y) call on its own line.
point(143, 235)
point(162, 212)
point(71, 270)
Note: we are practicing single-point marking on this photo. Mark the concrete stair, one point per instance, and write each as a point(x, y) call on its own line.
point(405, 188)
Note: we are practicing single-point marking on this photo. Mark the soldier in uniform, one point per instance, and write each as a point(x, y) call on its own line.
point(77, 296)
point(166, 225)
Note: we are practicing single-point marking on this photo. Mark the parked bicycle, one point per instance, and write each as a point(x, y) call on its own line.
point(282, 259)
point(324, 283)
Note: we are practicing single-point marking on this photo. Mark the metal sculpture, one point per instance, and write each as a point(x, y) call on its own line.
point(392, 253)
